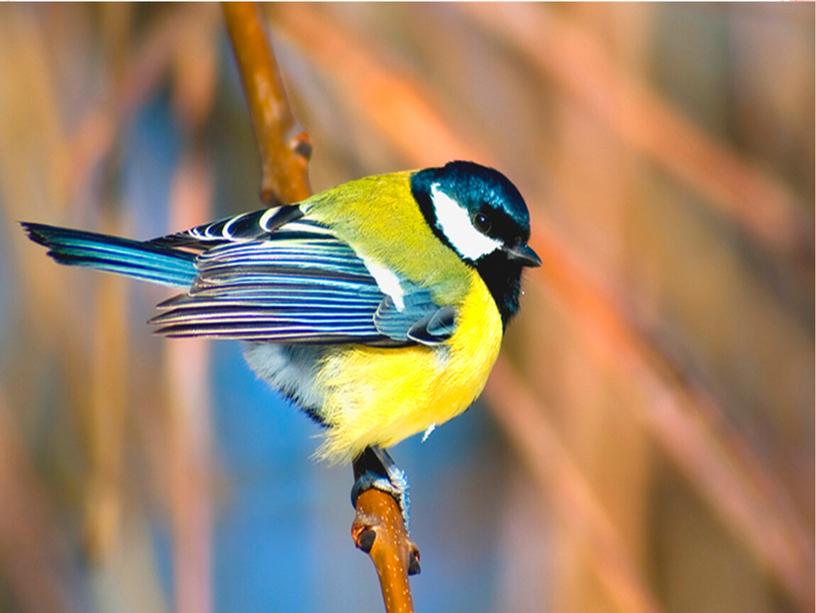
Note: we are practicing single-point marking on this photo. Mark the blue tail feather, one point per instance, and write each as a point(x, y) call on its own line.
point(141, 260)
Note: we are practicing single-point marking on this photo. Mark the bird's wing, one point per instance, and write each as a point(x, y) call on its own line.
point(295, 283)
point(256, 225)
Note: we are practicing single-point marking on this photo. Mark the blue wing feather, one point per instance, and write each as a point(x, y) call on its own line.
point(299, 284)
point(136, 259)
point(246, 226)
point(309, 287)
point(270, 275)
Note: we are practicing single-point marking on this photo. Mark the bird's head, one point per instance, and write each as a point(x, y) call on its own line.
point(476, 211)
point(480, 215)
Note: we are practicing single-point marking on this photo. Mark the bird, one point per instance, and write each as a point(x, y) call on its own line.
point(377, 307)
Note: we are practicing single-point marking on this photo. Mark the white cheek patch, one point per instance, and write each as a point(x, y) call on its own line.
point(454, 221)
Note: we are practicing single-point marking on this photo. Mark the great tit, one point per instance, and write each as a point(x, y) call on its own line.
point(378, 306)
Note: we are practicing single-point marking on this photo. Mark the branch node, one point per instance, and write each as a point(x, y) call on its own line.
point(413, 563)
point(301, 144)
point(365, 537)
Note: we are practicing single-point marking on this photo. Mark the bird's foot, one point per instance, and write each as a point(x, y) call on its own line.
point(376, 469)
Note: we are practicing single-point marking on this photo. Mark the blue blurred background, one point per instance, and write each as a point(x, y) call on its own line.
point(647, 444)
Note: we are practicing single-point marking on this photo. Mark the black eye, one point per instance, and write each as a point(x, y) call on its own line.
point(481, 222)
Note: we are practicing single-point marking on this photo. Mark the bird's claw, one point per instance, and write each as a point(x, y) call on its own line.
point(375, 469)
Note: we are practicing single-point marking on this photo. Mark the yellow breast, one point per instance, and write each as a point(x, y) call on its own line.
point(380, 396)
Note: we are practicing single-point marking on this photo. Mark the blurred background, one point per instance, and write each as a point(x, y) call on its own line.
point(646, 443)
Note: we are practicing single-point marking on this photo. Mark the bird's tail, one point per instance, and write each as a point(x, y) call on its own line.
point(141, 260)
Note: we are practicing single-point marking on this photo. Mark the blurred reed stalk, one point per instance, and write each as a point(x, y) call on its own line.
point(136, 65)
point(582, 408)
point(145, 63)
point(103, 417)
point(569, 55)
point(30, 558)
point(187, 372)
point(684, 421)
point(551, 467)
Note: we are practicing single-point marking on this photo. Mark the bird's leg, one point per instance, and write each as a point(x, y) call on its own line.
point(375, 468)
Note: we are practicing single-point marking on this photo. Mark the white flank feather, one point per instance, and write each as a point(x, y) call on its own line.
point(388, 282)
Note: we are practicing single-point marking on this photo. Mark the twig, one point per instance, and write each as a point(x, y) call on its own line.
point(378, 528)
point(284, 147)
point(379, 531)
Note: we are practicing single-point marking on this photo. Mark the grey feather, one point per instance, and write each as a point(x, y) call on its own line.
point(420, 320)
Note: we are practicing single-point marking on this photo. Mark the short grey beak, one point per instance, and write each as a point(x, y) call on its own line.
point(523, 254)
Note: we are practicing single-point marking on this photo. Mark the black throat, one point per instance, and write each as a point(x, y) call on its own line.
point(503, 280)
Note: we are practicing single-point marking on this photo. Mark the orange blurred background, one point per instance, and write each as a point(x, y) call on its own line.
point(646, 442)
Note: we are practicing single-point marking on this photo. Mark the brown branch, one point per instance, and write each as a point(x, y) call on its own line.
point(379, 531)
point(378, 528)
point(285, 148)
